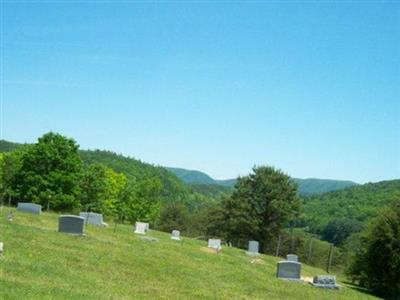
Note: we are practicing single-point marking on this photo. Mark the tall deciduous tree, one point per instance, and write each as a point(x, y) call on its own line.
point(261, 204)
point(51, 171)
point(376, 264)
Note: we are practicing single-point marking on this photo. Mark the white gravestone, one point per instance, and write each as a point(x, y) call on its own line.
point(71, 224)
point(93, 218)
point(215, 244)
point(292, 257)
point(176, 235)
point(29, 208)
point(253, 248)
point(1, 248)
point(290, 270)
point(141, 227)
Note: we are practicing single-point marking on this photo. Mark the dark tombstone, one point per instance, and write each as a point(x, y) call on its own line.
point(71, 224)
point(32, 208)
point(290, 270)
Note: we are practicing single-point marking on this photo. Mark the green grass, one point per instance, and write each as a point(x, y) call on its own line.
point(40, 263)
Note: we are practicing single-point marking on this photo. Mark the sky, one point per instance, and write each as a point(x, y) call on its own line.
point(312, 88)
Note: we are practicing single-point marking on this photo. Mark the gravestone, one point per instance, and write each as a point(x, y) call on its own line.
point(325, 281)
point(290, 270)
point(93, 218)
point(1, 248)
point(29, 207)
point(253, 248)
point(292, 257)
point(71, 224)
point(141, 227)
point(176, 235)
point(215, 244)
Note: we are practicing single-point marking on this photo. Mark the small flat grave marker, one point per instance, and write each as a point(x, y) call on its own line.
point(253, 248)
point(93, 218)
point(32, 208)
point(325, 282)
point(289, 270)
point(71, 224)
point(292, 257)
point(176, 235)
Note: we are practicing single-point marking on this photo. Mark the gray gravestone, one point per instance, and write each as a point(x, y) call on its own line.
point(326, 282)
point(29, 207)
point(93, 218)
point(214, 243)
point(71, 224)
point(176, 235)
point(289, 270)
point(253, 248)
point(141, 227)
point(292, 257)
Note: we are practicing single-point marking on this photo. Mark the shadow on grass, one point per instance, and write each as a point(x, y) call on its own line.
point(359, 288)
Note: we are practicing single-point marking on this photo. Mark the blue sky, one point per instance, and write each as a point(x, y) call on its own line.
point(311, 88)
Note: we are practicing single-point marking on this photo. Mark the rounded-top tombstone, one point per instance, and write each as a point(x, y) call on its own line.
point(71, 224)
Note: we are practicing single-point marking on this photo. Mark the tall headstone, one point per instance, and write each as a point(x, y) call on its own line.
point(253, 248)
point(141, 227)
point(215, 244)
point(32, 208)
point(71, 224)
point(289, 270)
point(93, 218)
point(292, 257)
point(176, 235)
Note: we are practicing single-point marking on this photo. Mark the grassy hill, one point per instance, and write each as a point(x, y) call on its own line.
point(40, 263)
point(308, 186)
point(360, 202)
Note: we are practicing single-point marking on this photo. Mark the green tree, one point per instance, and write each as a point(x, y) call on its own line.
point(337, 231)
point(261, 204)
point(173, 216)
point(51, 170)
point(376, 264)
point(101, 188)
point(9, 165)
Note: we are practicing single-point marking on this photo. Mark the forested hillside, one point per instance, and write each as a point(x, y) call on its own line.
point(359, 203)
point(306, 187)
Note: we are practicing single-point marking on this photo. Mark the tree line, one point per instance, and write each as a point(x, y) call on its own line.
point(263, 206)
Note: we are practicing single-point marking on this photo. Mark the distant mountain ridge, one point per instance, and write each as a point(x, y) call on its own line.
point(308, 186)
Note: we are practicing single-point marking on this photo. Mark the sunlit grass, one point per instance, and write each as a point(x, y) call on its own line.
point(40, 263)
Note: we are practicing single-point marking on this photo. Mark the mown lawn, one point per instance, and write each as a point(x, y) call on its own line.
point(40, 263)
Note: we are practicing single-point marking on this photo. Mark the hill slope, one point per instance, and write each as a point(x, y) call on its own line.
point(40, 263)
point(360, 202)
point(308, 186)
